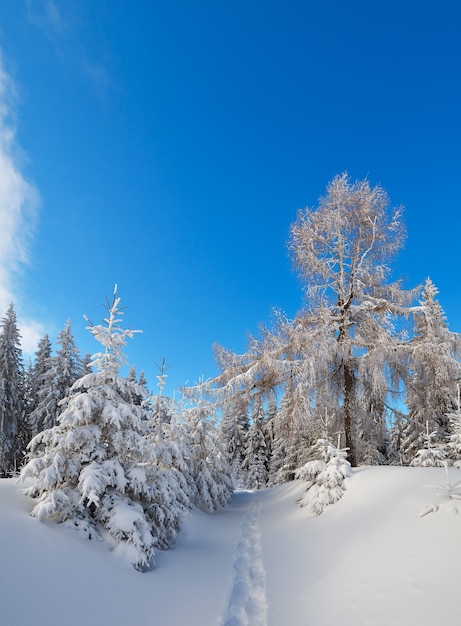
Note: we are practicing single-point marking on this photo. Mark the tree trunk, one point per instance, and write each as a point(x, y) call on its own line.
point(348, 397)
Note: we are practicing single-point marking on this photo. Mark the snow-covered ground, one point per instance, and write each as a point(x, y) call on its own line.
point(368, 560)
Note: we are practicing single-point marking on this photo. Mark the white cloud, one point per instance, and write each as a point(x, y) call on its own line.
point(19, 202)
point(64, 27)
point(46, 15)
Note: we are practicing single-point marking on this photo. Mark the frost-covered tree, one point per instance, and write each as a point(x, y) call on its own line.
point(208, 462)
point(58, 374)
point(256, 460)
point(13, 431)
point(431, 455)
point(173, 486)
point(394, 446)
point(343, 352)
point(434, 369)
point(341, 251)
point(291, 435)
point(454, 444)
point(68, 364)
point(325, 476)
point(38, 409)
point(453, 447)
point(95, 470)
point(233, 431)
point(161, 405)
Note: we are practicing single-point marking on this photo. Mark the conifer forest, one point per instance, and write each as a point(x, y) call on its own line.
point(366, 373)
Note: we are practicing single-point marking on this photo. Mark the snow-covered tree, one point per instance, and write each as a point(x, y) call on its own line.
point(454, 443)
point(430, 455)
point(344, 350)
point(68, 364)
point(341, 251)
point(40, 414)
point(209, 465)
point(57, 375)
point(394, 447)
point(95, 470)
point(325, 476)
point(290, 434)
point(453, 447)
point(434, 369)
point(233, 431)
point(13, 431)
point(256, 460)
point(173, 485)
point(161, 405)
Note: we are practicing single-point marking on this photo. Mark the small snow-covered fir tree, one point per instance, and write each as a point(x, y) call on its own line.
point(324, 476)
point(93, 470)
point(430, 455)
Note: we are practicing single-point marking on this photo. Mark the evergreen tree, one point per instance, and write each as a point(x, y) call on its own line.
point(38, 378)
point(58, 377)
point(292, 434)
point(256, 453)
point(13, 431)
point(395, 451)
point(95, 470)
point(233, 431)
point(453, 448)
point(173, 486)
point(161, 404)
point(68, 363)
point(208, 462)
point(434, 369)
point(324, 476)
point(430, 455)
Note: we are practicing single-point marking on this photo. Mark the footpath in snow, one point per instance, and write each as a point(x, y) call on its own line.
point(369, 560)
point(247, 603)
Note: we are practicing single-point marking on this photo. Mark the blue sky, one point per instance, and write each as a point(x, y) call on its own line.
point(167, 146)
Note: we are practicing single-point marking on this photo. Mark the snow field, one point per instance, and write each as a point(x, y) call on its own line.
point(368, 560)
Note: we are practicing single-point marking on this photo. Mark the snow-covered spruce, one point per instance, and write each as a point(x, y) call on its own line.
point(13, 429)
point(434, 368)
point(430, 455)
point(232, 432)
point(256, 454)
point(51, 379)
point(453, 446)
point(325, 477)
point(208, 461)
point(95, 470)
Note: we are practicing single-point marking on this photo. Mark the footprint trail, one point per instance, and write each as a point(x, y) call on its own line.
point(247, 602)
